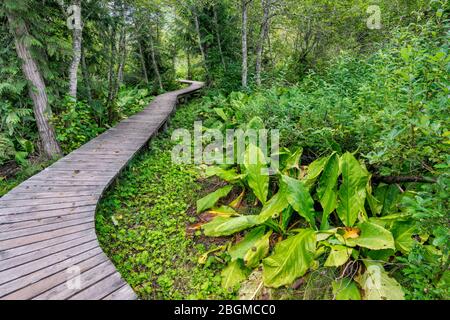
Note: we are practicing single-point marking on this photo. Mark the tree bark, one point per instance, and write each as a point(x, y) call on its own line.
point(36, 87)
point(76, 45)
point(244, 5)
point(122, 59)
point(141, 57)
point(219, 42)
point(402, 179)
point(155, 63)
point(189, 65)
point(111, 75)
point(262, 37)
point(200, 44)
point(86, 76)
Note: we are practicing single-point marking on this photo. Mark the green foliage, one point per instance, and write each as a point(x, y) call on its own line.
point(142, 226)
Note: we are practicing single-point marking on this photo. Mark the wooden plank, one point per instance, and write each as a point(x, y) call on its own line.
point(56, 287)
point(123, 293)
point(36, 216)
point(29, 248)
point(47, 195)
point(101, 289)
point(29, 279)
point(44, 252)
point(17, 242)
point(11, 203)
point(88, 278)
point(33, 266)
point(47, 227)
point(46, 207)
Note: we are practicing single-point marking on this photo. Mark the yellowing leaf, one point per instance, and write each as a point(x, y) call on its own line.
point(373, 237)
point(290, 260)
point(351, 233)
point(257, 251)
point(377, 285)
point(338, 256)
point(233, 274)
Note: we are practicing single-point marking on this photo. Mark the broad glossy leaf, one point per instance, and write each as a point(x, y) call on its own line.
point(346, 289)
point(225, 226)
point(352, 192)
point(377, 285)
point(257, 251)
point(290, 260)
point(274, 206)
point(327, 189)
point(314, 170)
point(233, 274)
point(239, 250)
point(338, 256)
point(403, 234)
point(229, 175)
point(256, 170)
point(373, 237)
point(221, 114)
point(211, 199)
point(299, 198)
point(293, 162)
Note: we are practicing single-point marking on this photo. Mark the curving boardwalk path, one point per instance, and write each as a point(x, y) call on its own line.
point(48, 244)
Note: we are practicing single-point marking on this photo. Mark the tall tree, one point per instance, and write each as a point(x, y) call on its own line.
point(36, 85)
point(74, 12)
point(200, 42)
point(244, 9)
point(266, 5)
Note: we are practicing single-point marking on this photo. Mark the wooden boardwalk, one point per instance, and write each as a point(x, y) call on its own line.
point(48, 244)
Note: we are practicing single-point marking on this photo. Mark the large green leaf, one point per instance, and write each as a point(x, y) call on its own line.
point(372, 236)
point(327, 189)
point(233, 274)
point(352, 192)
point(256, 170)
point(346, 289)
point(239, 250)
point(338, 256)
point(293, 162)
point(225, 226)
point(377, 285)
point(403, 234)
point(211, 199)
point(299, 198)
point(258, 251)
point(229, 175)
point(290, 260)
point(274, 206)
point(315, 168)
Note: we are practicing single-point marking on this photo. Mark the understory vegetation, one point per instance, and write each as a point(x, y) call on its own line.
point(358, 208)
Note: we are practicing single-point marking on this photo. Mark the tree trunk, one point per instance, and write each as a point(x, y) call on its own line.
point(111, 75)
point(76, 45)
point(262, 37)
point(245, 4)
point(219, 42)
point(141, 57)
point(155, 63)
point(86, 76)
point(189, 65)
point(122, 59)
point(200, 45)
point(36, 85)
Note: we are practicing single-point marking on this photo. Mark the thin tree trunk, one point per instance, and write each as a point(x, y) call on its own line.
point(141, 57)
point(76, 45)
point(122, 59)
point(219, 42)
point(245, 4)
point(37, 89)
point(189, 65)
point(86, 76)
point(155, 63)
point(262, 37)
point(200, 45)
point(111, 74)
